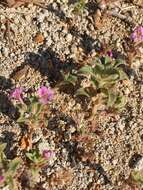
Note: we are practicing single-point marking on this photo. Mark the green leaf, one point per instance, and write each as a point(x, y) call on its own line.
point(13, 165)
point(34, 156)
point(94, 81)
point(122, 74)
point(82, 92)
point(105, 83)
point(119, 62)
point(98, 69)
point(96, 61)
point(2, 147)
point(35, 171)
point(79, 6)
point(111, 99)
point(69, 78)
point(110, 78)
point(2, 155)
point(86, 70)
point(21, 119)
point(120, 102)
point(137, 176)
point(36, 108)
point(107, 60)
point(31, 156)
point(10, 181)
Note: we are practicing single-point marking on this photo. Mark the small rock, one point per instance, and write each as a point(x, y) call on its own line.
point(5, 51)
point(69, 38)
point(136, 161)
point(139, 164)
point(72, 129)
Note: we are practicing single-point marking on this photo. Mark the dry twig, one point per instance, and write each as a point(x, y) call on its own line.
point(120, 16)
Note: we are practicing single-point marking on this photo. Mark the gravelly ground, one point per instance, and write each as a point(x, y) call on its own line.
point(68, 39)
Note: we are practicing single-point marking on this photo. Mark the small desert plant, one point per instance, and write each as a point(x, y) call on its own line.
point(100, 81)
point(137, 35)
point(8, 169)
point(79, 6)
point(137, 176)
point(32, 109)
point(133, 47)
point(38, 160)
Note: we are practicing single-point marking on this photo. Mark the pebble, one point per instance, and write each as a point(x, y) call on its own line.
point(5, 51)
point(69, 38)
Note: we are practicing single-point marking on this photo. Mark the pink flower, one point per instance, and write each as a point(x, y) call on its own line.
point(47, 154)
point(45, 94)
point(17, 94)
point(109, 53)
point(137, 35)
point(1, 179)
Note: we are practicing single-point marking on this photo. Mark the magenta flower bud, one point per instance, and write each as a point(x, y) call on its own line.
point(109, 53)
point(1, 179)
point(48, 154)
point(17, 94)
point(137, 35)
point(45, 94)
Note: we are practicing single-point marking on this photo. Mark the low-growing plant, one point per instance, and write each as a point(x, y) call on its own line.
point(137, 177)
point(79, 6)
point(32, 109)
point(137, 35)
point(38, 160)
point(8, 170)
point(100, 81)
point(133, 47)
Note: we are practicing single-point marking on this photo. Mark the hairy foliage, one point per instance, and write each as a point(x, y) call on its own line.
point(101, 76)
point(8, 169)
point(79, 7)
point(37, 162)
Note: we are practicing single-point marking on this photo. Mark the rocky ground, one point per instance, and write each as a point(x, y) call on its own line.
point(36, 43)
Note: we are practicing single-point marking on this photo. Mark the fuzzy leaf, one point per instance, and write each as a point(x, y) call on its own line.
point(107, 60)
point(13, 165)
point(2, 147)
point(86, 70)
point(98, 69)
point(35, 171)
point(122, 74)
point(10, 182)
point(110, 77)
point(111, 99)
point(30, 156)
point(118, 63)
point(79, 6)
point(94, 82)
point(137, 176)
point(69, 78)
point(34, 156)
point(2, 155)
point(96, 61)
point(120, 102)
point(36, 108)
point(21, 119)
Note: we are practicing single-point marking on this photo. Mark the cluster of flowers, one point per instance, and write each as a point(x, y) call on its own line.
point(137, 35)
point(46, 155)
point(45, 94)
